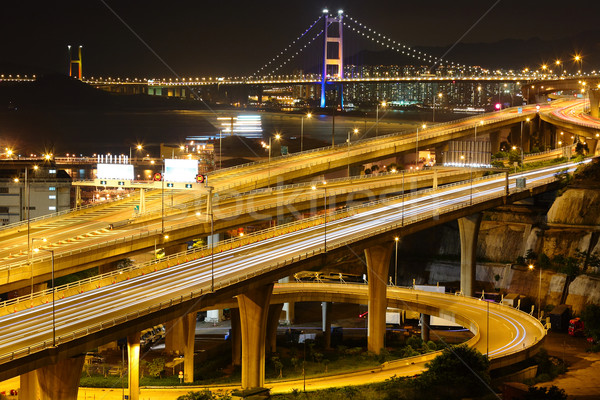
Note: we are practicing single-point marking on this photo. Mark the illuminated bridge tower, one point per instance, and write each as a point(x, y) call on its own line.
point(78, 62)
point(333, 57)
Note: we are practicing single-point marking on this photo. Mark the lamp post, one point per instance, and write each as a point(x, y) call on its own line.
point(28, 193)
point(309, 115)
point(30, 262)
point(304, 362)
point(531, 268)
point(527, 119)
point(137, 148)
point(417, 147)
point(472, 156)
point(314, 187)
point(162, 199)
point(579, 60)
point(396, 239)
point(348, 158)
point(51, 251)
point(383, 105)
point(277, 137)
point(433, 116)
point(220, 148)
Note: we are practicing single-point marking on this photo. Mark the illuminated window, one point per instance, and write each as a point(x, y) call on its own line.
point(52, 197)
point(52, 208)
point(52, 188)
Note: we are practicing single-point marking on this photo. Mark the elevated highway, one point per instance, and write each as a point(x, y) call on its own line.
point(110, 312)
point(82, 240)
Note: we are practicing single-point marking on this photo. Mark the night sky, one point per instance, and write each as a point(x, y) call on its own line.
point(204, 38)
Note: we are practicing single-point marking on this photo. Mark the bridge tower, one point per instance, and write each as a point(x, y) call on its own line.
point(77, 62)
point(333, 56)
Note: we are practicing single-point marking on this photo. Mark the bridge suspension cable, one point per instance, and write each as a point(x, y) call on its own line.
point(397, 46)
point(288, 47)
point(291, 57)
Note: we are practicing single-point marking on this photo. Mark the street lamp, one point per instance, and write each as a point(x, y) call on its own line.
point(308, 116)
point(356, 133)
point(531, 268)
point(383, 105)
point(578, 60)
point(417, 147)
point(314, 187)
point(304, 361)
point(396, 239)
point(472, 156)
point(522, 160)
point(51, 251)
point(440, 96)
point(137, 148)
point(277, 137)
point(30, 262)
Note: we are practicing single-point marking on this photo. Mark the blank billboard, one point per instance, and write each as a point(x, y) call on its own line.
point(115, 171)
point(178, 170)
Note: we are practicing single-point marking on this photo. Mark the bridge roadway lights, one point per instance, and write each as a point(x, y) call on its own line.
point(378, 263)
point(133, 365)
point(52, 382)
point(469, 230)
point(254, 310)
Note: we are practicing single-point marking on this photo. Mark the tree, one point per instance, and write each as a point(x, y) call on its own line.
point(542, 393)
point(278, 366)
point(581, 148)
point(156, 367)
point(591, 320)
point(462, 365)
point(514, 157)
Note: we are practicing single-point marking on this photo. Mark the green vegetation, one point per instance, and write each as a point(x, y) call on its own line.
point(571, 266)
point(464, 367)
point(591, 321)
point(76, 276)
point(203, 395)
point(551, 393)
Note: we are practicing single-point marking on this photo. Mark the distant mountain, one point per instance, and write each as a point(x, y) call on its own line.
point(508, 54)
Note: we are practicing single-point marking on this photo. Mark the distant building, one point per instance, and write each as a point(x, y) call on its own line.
point(45, 191)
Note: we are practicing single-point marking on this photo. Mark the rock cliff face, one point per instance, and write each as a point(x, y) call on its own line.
point(567, 224)
point(577, 206)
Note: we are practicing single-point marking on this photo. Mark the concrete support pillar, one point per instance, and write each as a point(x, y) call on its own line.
point(214, 316)
point(378, 264)
point(254, 309)
point(594, 103)
point(435, 178)
point(469, 230)
point(440, 151)
point(174, 335)
point(425, 322)
point(78, 195)
point(326, 323)
point(272, 324)
point(495, 141)
point(142, 201)
point(288, 308)
point(189, 338)
point(236, 337)
point(56, 381)
point(133, 365)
